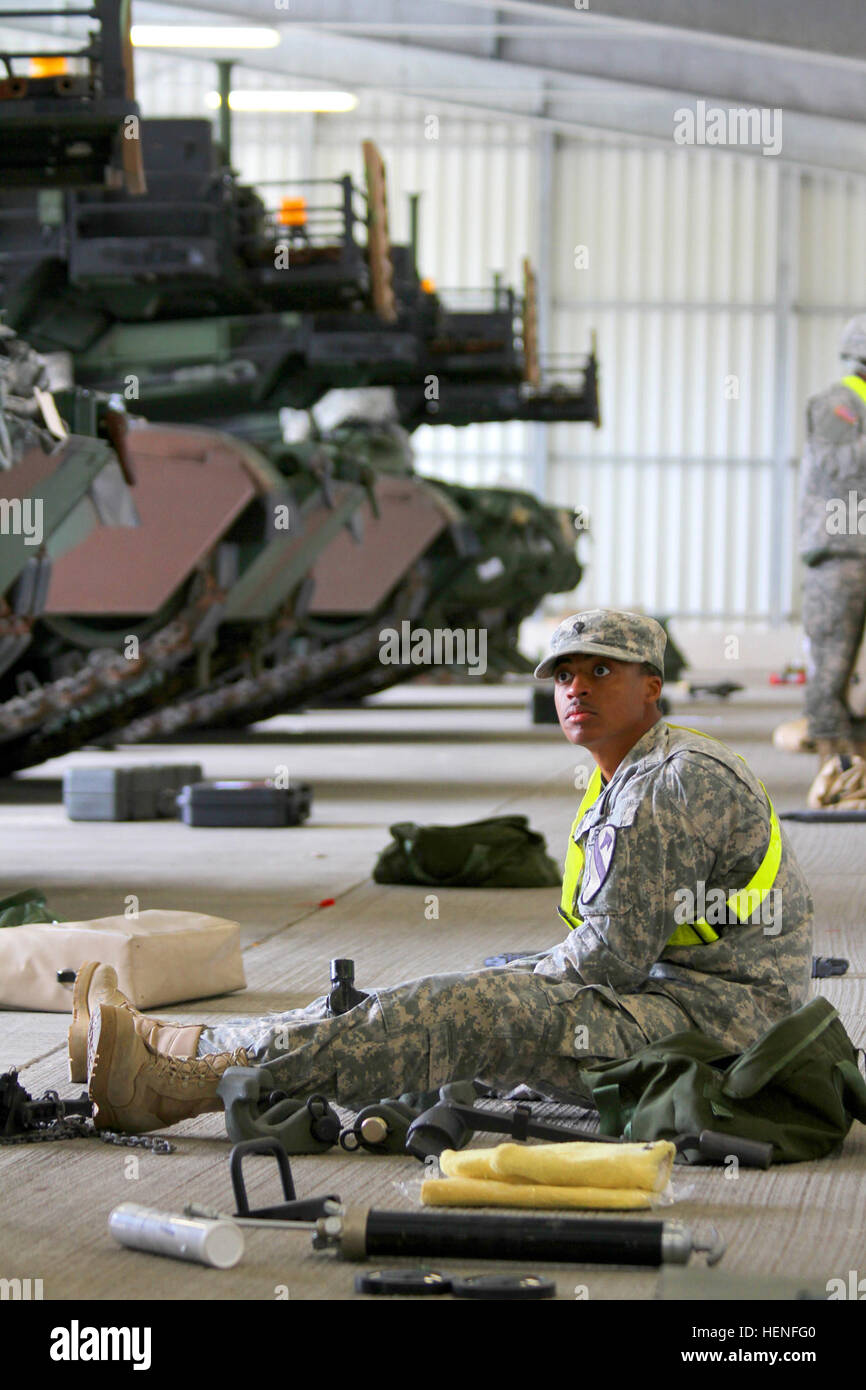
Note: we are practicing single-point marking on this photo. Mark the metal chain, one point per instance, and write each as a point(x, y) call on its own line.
point(136, 1141)
point(62, 1125)
point(81, 1128)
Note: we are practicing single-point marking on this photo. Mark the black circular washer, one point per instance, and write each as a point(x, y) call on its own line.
point(402, 1281)
point(504, 1286)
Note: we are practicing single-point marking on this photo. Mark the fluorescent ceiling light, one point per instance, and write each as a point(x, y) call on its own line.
point(203, 36)
point(248, 100)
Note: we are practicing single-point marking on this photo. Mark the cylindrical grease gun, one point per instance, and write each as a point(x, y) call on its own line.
point(360, 1233)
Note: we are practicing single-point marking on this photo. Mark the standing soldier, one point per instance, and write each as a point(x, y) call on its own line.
point(833, 548)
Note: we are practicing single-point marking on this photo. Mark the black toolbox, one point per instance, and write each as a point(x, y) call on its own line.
point(244, 804)
point(542, 705)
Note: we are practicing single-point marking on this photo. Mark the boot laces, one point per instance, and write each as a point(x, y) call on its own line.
point(198, 1071)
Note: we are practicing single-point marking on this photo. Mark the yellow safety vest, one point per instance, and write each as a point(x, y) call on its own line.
point(857, 385)
point(742, 904)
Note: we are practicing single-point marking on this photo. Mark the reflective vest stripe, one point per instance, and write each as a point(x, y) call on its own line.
point(574, 858)
point(857, 385)
point(741, 904)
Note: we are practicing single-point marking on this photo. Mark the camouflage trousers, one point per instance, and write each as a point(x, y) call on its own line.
point(505, 1025)
point(834, 615)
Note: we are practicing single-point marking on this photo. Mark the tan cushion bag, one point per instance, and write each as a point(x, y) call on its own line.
point(160, 958)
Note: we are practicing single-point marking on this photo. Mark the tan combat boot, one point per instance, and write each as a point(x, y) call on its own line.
point(135, 1089)
point(793, 736)
point(97, 984)
point(840, 784)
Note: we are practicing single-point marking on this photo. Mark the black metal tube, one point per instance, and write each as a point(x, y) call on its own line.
point(414, 200)
point(57, 13)
point(224, 79)
point(466, 1235)
point(37, 53)
point(348, 211)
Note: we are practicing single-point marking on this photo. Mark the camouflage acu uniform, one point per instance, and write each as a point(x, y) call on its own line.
point(687, 811)
point(833, 549)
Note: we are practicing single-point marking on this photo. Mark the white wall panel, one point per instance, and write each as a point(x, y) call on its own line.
point(833, 269)
point(680, 288)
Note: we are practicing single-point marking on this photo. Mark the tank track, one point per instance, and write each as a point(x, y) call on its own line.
point(113, 697)
point(284, 685)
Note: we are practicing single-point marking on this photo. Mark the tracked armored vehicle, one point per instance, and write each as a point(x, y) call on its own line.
point(268, 584)
point(201, 304)
point(263, 573)
point(57, 483)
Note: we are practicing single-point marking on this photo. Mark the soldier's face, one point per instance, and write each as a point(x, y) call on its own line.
point(598, 698)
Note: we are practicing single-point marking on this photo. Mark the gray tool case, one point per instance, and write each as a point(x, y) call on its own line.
point(244, 803)
point(126, 793)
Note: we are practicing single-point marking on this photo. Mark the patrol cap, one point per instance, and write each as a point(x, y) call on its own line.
point(852, 344)
point(605, 632)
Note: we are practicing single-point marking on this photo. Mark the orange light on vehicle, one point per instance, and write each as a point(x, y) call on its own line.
point(47, 67)
point(428, 286)
point(293, 212)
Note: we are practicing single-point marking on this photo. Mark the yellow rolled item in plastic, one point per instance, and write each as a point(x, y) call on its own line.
point(580, 1164)
point(478, 1192)
point(470, 1163)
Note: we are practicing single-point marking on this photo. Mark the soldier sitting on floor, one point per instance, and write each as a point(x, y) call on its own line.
point(684, 904)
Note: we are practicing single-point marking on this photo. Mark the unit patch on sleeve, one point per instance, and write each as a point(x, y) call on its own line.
point(599, 857)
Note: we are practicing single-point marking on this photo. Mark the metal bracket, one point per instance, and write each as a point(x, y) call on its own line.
point(293, 1208)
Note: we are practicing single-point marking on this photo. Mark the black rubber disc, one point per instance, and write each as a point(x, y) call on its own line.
point(504, 1286)
point(405, 1281)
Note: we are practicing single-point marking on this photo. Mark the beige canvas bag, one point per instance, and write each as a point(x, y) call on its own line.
point(160, 958)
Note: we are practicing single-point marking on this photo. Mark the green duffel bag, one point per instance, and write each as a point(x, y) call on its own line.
point(798, 1087)
point(498, 853)
point(24, 907)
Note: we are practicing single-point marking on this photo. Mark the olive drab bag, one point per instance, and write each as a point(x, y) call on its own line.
point(26, 906)
point(498, 853)
point(798, 1087)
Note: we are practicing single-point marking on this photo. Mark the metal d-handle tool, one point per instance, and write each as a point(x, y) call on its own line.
point(292, 1208)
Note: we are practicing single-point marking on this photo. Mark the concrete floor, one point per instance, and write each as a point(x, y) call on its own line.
point(423, 753)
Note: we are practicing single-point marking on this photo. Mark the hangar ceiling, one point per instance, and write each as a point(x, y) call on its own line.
point(625, 67)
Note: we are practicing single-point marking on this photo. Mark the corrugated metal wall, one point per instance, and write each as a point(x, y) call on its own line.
point(680, 286)
point(690, 486)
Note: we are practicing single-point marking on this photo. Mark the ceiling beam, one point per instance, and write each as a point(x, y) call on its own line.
point(835, 27)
